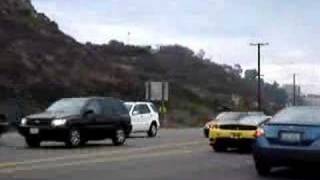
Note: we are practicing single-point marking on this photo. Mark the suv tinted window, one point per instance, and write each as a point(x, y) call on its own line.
point(137, 108)
point(154, 108)
point(118, 108)
point(107, 107)
point(128, 106)
point(95, 106)
point(144, 109)
point(121, 108)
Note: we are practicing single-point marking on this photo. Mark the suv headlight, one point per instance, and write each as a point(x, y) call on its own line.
point(24, 121)
point(58, 122)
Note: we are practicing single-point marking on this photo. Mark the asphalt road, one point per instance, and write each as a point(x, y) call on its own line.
point(175, 154)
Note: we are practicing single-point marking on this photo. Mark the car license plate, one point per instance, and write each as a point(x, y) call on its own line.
point(236, 135)
point(34, 131)
point(290, 137)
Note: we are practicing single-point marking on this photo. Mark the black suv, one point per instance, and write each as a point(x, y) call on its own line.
point(78, 120)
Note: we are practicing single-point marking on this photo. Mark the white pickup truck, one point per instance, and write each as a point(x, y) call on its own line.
point(144, 117)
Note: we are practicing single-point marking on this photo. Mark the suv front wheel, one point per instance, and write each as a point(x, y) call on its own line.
point(119, 137)
point(73, 138)
point(153, 130)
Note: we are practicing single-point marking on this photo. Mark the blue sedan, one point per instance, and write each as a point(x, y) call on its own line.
point(291, 137)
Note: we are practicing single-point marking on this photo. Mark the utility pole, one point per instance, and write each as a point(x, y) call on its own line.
point(259, 72)
point(294, 89)
point(128, 38)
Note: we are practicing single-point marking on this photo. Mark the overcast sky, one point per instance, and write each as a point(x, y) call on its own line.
point(223, 28)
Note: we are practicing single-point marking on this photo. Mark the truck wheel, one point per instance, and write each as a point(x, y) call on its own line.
point(153, 130)
point(74, 138)
point(119, 137)
point(33, 142)
point(206, 132)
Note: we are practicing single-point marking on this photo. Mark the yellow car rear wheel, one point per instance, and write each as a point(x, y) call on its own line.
point(219, 146)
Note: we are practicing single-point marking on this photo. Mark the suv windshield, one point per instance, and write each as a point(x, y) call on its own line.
point(73, 105)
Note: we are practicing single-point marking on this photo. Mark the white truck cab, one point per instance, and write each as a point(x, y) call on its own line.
point(144, 117)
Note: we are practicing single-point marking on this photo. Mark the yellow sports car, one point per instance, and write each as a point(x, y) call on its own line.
point(235, 129)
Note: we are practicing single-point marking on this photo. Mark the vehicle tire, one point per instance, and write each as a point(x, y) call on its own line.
point(83, 142)
point(218, 146)
point(73, 138)
point(206, 133)
point(119, 137)
point(263, 169)
point(33, 142)
point(153, 130)
point(246, 148)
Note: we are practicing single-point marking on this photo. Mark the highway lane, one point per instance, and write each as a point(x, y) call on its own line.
point(13, 145)
point(175, 154)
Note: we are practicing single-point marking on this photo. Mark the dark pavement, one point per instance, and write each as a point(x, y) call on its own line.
point(175, 154)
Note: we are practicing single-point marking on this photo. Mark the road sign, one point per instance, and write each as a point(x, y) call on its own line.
point(157, 91)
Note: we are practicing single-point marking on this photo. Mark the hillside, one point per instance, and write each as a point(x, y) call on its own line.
point(39, 64)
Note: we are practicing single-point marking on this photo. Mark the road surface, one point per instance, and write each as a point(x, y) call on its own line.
point(175, 154)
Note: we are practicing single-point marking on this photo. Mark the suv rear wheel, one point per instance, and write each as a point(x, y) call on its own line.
point(119, 137)
point(74, 138)
point(153, 130)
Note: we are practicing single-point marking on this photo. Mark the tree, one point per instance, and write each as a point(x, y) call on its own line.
point(237, 70)
point(250, 74)
point(201, 54)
